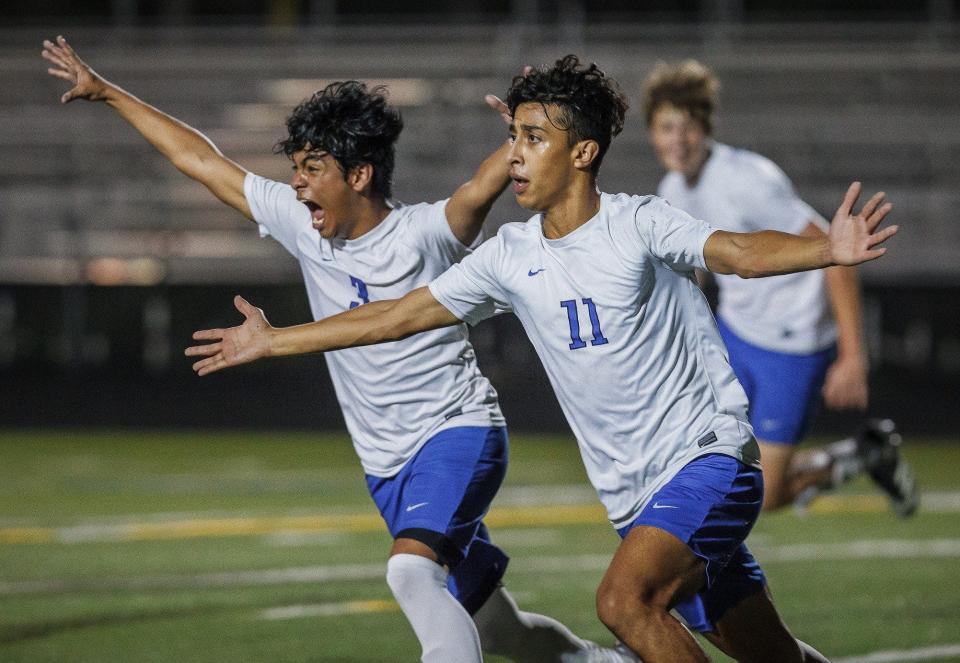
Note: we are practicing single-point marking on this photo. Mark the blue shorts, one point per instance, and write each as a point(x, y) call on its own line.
point(783, 389)
point(440, 498)
point(711, 505)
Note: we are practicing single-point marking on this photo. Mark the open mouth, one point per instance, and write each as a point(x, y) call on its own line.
point(519, 184)
point(317, 213)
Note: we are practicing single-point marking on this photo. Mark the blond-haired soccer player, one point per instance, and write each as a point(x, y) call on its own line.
point(794, 339)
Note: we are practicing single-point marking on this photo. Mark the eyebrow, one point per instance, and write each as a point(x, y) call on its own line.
point(527, 127)
point(316, 155)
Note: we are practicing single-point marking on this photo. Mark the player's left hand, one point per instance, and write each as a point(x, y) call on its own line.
point(497, 104)
point(845, 385)
point(854, 237)
point(236, 345)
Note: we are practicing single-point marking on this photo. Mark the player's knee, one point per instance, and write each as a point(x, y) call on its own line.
point(772, 501)
point(618, 606)
point(406, 573)
point(774, 493)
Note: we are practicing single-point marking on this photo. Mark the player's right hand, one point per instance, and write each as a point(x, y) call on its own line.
point(87, 84)
point(236, 345)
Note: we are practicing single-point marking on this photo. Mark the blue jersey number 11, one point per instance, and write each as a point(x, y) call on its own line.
point(573, 318)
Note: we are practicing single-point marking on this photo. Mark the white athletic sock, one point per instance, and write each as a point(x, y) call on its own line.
point(442, 625)
point(526, 637)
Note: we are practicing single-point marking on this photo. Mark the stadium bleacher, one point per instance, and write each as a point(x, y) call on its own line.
point(877, 103)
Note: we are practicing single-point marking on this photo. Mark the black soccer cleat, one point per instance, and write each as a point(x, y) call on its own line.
point(878, 443)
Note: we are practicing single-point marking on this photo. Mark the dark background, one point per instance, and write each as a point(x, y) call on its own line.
point(109, 258)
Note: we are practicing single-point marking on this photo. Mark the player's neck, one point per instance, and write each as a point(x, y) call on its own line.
point(571, 212)
point(369, 214)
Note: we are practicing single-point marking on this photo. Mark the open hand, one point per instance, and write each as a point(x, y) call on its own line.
point(236, 345)
point(87, 84)
point(853, 237)
point(497, 104)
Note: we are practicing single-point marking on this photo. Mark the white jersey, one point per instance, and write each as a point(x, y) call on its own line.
point(742, 191)
point(397, 395)
point(626, 336)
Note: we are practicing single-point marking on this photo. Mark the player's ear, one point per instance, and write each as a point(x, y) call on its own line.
point(360, 177)
point(584, 153)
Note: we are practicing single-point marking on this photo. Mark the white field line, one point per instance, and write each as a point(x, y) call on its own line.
point(870, 549)
point(853, 550)
point(904, 655)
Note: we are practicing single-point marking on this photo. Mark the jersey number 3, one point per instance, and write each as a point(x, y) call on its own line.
point(573, 317)
point(361, 290)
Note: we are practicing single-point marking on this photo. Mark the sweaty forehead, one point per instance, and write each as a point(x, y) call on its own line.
point(532, 114)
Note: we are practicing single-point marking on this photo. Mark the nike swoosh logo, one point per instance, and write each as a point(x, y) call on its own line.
point(417, 506)
point(534, 273)
point(664, 506)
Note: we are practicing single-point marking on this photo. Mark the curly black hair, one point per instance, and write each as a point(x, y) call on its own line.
point(591, 104)
point(356, 126)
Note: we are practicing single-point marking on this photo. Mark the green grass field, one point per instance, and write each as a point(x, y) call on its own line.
point(130, 546)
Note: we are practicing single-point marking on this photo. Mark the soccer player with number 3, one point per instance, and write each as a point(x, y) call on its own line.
point(424, 421)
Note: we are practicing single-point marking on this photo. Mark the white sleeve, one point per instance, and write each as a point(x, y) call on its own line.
point(470, 289)
point(670, 234)
point(428, 232)
point(276, 210)
point(771, 203)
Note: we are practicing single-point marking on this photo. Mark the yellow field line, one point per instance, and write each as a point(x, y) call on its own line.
point(28, 535)
point(520, 516)
point(369, 522)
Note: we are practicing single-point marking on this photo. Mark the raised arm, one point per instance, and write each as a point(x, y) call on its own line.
point(853, 239)
point(471, 202)
point(376, 322)
point(189, 150)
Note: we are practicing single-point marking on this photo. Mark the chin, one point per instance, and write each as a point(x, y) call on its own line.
point(526, 202)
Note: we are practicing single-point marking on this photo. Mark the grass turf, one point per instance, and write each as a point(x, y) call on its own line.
point(120, 546)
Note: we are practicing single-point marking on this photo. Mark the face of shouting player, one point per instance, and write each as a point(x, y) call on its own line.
point(332, 200)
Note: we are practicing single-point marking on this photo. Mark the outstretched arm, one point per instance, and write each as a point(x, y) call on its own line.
point(189, 150)
point(471, 202)
point(376, 322)
point(853, 239)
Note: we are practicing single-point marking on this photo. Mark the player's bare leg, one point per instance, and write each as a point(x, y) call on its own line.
point(651, 571)
point(788, 473)
point(796, 477)
point(753, 632)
